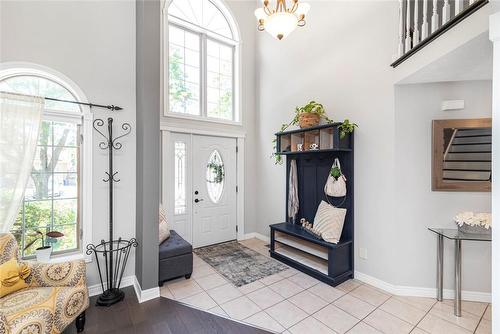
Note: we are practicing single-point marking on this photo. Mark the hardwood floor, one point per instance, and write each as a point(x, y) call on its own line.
point(158, 316)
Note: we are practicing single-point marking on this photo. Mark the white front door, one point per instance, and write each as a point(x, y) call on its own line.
point(213, 190)
point(200, 187)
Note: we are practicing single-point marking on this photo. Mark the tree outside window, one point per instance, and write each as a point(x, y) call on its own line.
point(51, 198)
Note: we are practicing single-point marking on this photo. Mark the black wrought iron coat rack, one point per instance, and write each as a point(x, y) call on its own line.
point(113, 252)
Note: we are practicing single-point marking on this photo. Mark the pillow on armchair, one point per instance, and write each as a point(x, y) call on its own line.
point(55, 296)
point(12, 276)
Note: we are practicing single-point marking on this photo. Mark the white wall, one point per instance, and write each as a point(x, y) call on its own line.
point(495, 38)
point(92, 43)
point(242, 12)
point(418, 207)
point(340, 58)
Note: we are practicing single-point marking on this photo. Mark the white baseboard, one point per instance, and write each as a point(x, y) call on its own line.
point(145, 295)
point(401, 290)
point(254, 235)
point(96, 289)
point(142, 295)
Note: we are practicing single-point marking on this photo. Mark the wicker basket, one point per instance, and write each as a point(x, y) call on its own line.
point(307, 120)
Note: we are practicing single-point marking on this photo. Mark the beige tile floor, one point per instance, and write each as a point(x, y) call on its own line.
point(292, 302)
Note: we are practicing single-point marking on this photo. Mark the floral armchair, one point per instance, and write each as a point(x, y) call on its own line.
point(56, 296)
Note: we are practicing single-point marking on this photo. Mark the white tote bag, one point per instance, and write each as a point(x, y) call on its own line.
point(336, 187)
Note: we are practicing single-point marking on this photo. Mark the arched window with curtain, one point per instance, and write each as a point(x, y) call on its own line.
point(202, 60)
point(53, 198)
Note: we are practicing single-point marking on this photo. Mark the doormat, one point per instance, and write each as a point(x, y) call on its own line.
point(239, 264)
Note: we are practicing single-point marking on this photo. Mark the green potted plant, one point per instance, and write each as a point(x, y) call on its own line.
point(310, 115)
point(43, 253)
point(344, 129)
point(307, 116)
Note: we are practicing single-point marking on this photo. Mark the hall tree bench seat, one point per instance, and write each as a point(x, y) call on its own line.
point(314, 151)
point(327, 262)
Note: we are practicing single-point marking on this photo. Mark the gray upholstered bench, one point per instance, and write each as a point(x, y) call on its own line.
point(176, 258)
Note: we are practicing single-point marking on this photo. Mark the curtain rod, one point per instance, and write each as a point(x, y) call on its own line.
point(110, 107)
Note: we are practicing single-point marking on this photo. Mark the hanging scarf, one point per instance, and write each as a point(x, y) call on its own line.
point(293, 191)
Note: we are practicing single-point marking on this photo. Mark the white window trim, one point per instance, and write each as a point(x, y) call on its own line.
point(236, 43)
point(10, 69)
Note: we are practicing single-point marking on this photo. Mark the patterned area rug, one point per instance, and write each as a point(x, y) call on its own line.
point(239, 264)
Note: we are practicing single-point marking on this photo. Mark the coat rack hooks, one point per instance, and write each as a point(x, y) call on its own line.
point(115, 253)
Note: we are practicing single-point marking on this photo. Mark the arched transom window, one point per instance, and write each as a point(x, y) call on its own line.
point(202, 54)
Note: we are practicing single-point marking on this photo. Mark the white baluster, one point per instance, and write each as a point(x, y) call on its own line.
point(446, 11)
point(435, 16)
point(401, 47)
point(459, 6)
point(408, 26)
point(416, 33)
point(425, 24)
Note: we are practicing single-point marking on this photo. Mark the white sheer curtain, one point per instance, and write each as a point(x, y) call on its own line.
point(20, 118)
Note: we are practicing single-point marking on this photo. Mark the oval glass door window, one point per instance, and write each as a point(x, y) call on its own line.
point(215, 176)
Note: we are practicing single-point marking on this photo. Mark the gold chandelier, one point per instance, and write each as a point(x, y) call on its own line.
point(281, 20)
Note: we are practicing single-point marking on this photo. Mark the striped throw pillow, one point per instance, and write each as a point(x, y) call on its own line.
point(329, 222)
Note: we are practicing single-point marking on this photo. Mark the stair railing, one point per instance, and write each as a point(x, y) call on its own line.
point(414, 22)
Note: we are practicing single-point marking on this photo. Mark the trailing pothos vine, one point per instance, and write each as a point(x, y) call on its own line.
point(346, 127)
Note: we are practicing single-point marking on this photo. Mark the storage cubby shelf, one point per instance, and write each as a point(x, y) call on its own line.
point(319, 151)
point(319, 127)
point(322, 138)
point(297, 243)
point(311, 261)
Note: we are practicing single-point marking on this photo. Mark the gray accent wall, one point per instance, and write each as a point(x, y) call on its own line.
point(148, 69)
point(91, 43)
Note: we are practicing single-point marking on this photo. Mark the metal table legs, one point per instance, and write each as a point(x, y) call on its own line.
point(458, 273)
point(458, 278)
point(439, 279)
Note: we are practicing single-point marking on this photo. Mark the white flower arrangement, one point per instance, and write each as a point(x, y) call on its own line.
point(471, 219)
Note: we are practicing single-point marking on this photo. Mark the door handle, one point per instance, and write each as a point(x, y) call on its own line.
point(198, 200)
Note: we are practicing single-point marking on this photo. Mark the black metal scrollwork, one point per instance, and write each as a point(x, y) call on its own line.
point(111, 177)
point(96, 125)
point(127, 128)
point(113, 253)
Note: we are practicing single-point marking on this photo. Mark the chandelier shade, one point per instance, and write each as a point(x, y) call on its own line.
point(282, 19)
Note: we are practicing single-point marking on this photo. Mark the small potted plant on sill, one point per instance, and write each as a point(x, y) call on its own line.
point(44, 252)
